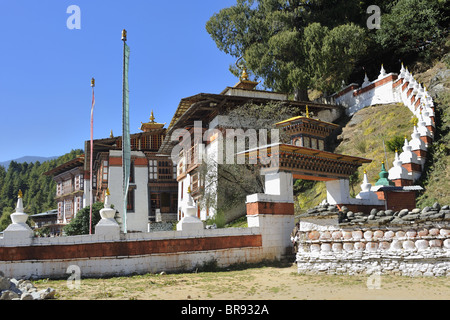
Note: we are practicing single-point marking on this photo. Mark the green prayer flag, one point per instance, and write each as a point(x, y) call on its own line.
point(126, 144)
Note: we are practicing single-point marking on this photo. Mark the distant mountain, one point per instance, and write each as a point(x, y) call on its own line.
point(28, 159)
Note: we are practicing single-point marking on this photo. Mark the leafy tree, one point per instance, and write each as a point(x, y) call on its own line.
point(273, 38)
point(409, 25)
point(80, 225)
point(39, 190)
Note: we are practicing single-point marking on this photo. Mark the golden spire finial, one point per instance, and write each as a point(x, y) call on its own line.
point(307, 111)
point(244, 75)
point(124, 35)
point(111, 135)
point(365, 171)
point(107, 192)
point(92, 82)
point(152, 118)
point(189, 189)
point(20, 195)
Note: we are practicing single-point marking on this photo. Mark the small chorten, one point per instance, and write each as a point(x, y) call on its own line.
point(398, 174)
point(402, 72)
point(384, 181)
point(107, 226)
point(382, 72)
point(190, 223)
point(410, 161)
point(366, 193)
point(19, 232)
point(366, 81)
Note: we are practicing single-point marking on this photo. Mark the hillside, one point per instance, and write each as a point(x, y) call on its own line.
point(27, 159)
point(363, 136)
point(436, 179)
point(38, 190)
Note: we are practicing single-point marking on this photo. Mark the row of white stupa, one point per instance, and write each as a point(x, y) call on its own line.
point(420, 103)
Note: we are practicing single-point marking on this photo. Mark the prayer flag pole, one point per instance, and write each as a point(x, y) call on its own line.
point(126, 145)
point(91, 200)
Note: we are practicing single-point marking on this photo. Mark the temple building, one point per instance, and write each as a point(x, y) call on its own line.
point(153, 187)
point(204, 120)
point(69, 178)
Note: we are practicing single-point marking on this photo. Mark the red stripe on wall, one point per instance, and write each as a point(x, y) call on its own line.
point(113, 249)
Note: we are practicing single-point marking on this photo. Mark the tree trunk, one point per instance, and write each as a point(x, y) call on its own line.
point(301, 94)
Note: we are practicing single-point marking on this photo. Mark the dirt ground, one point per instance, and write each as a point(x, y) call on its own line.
point(260, 283)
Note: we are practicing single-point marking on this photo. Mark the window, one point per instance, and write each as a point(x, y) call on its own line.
point(313, 143)
point(165, 170)
point(130, 201)
point(153, 170)
point(321, 145)
point(132, 172)
point(174, 170)
point(307, 142)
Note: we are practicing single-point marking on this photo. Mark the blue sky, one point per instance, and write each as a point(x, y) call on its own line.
point(45, 94)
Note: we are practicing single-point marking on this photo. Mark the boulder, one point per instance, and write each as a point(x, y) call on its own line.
point(389, 213)
point(12, 289)
point(403, 213)
point(410, 217)
point(437, 206)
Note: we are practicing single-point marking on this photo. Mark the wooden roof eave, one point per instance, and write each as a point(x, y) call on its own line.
point(311, 152)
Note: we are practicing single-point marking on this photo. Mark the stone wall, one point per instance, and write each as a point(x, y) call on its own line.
point(101, 255)
point(414, 248)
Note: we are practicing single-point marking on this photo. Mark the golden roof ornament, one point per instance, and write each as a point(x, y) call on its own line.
point(111, 135)
point(244, 75)
point(107, 192)
point(152, 125)
point(92, 82)
point(152, 118)
point(124, 35)
point(307, 111)
point(20, 195)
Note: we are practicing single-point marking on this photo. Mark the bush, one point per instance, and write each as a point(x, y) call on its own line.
point(395, 143)
point(80, 225)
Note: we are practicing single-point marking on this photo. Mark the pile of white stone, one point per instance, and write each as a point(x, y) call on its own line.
point(13, 289)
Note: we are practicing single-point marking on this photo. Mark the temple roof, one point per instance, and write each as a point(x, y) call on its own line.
point(77, 162)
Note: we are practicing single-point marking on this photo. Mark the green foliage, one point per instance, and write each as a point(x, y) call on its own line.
point(219, 219)
point(80, 225)
point(395, 144)
point(302, 185)
point(38, 190)
point(285, 43)
point(5, 220)
point(295, 45)
point(409, 25)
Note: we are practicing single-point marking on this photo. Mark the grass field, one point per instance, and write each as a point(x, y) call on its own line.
point(272, 282)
